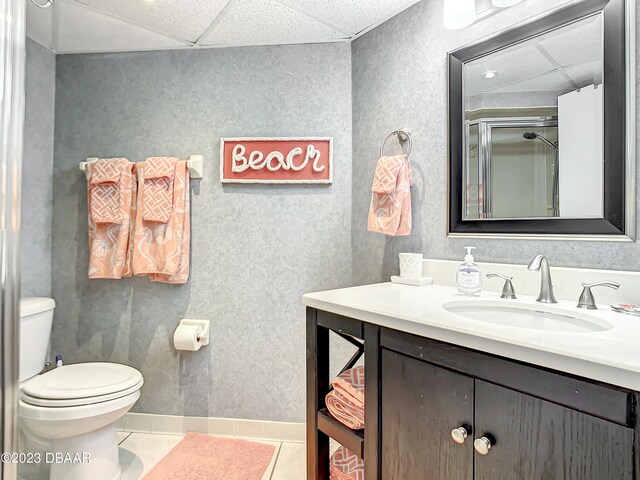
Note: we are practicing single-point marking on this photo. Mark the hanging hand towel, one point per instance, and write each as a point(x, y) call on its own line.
point(161, 250)
point(157, 204)
point(104, 192)
point(390, 210)
point(111, 205)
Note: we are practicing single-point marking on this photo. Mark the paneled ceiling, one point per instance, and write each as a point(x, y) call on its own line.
point(78, 26)
point(559, 61)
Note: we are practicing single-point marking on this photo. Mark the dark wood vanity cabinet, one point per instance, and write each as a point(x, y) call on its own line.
point(420, 404)
point(531, 438)
point(541, 424)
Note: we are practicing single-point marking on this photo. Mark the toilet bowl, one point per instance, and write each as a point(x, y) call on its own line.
point(70, 411)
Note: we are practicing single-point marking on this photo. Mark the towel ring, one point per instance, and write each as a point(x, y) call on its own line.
point(42, 5)
point(403, 136)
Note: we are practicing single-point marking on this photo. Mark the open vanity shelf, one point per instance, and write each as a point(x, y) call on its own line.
point(351, 439)
point(320, 424)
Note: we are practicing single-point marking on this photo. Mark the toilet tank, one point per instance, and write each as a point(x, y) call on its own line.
point(36, 319)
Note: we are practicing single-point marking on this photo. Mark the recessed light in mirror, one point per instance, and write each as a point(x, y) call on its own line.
point(489, 74)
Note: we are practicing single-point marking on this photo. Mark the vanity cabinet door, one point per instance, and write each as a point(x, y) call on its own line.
point(420, 405)
point(539, 440)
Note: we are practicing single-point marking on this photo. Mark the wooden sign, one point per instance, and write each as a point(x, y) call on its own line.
point(276, 160)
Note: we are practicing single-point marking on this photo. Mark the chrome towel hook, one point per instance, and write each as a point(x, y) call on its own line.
point(403, 135)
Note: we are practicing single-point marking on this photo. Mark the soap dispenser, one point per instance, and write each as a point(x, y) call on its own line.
point(469, 277)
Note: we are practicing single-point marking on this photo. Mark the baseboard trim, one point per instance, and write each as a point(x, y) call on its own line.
point(229, 427)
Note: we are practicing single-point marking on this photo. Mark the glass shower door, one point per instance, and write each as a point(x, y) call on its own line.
point(522, 172)
point(12, 58)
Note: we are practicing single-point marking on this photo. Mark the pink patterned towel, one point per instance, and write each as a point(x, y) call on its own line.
point(105, 190)
point(346, 465)
point(344, 410)
point(157, 188)
point(112, 208)
point(162, 249)
point(385, 177)
point(350, 384)
point(390, 210)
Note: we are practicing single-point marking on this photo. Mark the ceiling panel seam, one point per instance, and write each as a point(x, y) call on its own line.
point(384, 19)
point(560, 69)
point(130, 22)
point(271, 44)
point(214, 23)
point(315, 17)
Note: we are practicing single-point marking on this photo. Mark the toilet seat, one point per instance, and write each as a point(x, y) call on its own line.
point(81, 384)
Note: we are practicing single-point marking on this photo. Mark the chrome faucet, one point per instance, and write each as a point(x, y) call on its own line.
point(541, 263)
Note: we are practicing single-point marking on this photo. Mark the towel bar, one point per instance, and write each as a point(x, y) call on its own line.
point(195, 164)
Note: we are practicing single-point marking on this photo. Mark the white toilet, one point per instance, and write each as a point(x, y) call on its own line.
point(71, 410)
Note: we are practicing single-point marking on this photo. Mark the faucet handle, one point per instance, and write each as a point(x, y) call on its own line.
point(507, 290)
point(586, 300)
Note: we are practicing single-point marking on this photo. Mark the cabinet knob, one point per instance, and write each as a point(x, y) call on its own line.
point(482, 445)
point(459, 435)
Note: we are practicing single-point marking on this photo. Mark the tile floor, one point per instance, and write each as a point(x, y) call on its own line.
point(139, 452)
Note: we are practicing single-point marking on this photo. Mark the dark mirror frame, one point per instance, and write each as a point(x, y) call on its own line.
point(619, 129)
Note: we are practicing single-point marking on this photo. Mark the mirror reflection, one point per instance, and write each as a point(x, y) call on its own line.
point(534, 129)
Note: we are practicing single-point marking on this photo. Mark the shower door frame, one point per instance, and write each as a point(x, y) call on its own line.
point(12, 98)
point(485, 160)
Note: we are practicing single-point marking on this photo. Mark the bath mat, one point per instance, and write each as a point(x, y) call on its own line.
point(204, 457)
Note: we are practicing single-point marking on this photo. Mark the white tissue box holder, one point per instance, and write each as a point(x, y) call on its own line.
point(204, 324)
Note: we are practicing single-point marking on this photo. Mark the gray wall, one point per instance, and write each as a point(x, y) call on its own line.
point(399, 79)
point(255, 249)
point(37, 179)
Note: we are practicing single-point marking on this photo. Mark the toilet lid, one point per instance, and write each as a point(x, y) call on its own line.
point(82, 381)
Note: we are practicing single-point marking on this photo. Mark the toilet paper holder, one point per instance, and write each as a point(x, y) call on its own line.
point(204, 324)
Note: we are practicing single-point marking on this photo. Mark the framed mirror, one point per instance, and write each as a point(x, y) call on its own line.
point(546, 146)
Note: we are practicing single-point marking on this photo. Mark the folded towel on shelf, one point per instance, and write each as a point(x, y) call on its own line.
point(111, 195)
point(346, 465)
point(390, 209)
point(344, 410)
point(346, 401)
point(350, 384)
point(161, 249)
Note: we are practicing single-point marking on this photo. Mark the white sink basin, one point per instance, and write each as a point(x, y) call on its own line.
point(532, 317)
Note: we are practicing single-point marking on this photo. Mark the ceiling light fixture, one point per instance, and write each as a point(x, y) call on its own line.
point(459, 14)
point(489, 74)
point(505, 3)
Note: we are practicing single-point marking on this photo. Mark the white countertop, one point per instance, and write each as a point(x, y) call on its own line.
point(611, 356)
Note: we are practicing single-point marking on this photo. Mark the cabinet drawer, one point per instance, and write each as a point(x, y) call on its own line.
point(605, 401)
